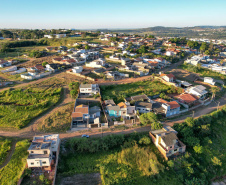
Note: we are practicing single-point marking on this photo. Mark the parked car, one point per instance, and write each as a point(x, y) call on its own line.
point(84, 135)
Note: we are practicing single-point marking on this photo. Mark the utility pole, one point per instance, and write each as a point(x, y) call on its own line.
point(193, 115)
point(218, 105)
point(101, 131)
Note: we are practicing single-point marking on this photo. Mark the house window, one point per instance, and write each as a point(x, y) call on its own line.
point(32, 163)
point(45, 152)
point(43, 162)
point(32, 152)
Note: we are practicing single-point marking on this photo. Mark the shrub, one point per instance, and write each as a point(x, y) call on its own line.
point(145, 140)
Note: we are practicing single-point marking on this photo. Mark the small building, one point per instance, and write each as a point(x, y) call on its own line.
point(109, 102)
point(77, 69)
point(89, 89)
point(127, 111)
point(80, 114)
point(198, 90)
point(209, 80)
point(143, 107)
point(142, 97)
point(187, 99)
point(114, 111)
point(168, 77)
point(167, 142)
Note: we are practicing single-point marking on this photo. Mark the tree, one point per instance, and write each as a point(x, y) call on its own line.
point(203, 47)
point(44, 64)
point(148, 118)
point(198, 149)
point(145, 140)
point(87, 47)
point(214, 90)
point(216, 161)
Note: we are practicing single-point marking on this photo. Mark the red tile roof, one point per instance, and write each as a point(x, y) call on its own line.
point(188, 98)
point(122, 105)
point(173, 104)
point(39, 67)
point(168, 75)
point(160, 100)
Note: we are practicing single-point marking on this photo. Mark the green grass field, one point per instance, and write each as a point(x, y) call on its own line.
point(5, 145)
point(119, 92)
point(11, 173)
point(19, 106)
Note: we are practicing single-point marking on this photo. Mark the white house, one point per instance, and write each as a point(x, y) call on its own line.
point(89, 89)
point(198, 90)
point(21, 70)
point(209, 80)
point(13, 68)
point(56, 36)
point(43, 151)
point(77, 69)
point(96, 63)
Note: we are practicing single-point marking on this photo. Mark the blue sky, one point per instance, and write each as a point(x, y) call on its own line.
point(90, 14)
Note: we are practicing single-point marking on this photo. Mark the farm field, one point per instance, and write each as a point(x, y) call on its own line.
point(12, 172)
point(19, 106)
point(150, 88)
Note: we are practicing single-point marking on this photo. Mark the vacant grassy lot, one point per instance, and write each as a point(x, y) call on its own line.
point(19, 106)
point(119, 159)
point(204, 72)
point(11, 173)
point(58, 121)
point(150, 88)
point(19, 51)
point(4, 148)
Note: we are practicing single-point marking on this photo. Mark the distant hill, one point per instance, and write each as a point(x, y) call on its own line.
point(212, 32)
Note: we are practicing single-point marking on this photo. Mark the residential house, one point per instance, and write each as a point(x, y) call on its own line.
point(39, 68)
point(167, 142)
point(141, 66)
point(52, 67)
point(127, 111)
point(116, 75)
point(142, 97)
point(43, 152)
point(109, 103)
point(171, 108)
point(168, 77)
point(187, 99)
point(143, 107)
point(209, 80)
point(80, 114)
point(198, 90)
point(77, 69)
point(96, 64)
point(4, 63)
point(166, 108)
point(114, 111)
point(195, 60)
point(89, 89)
